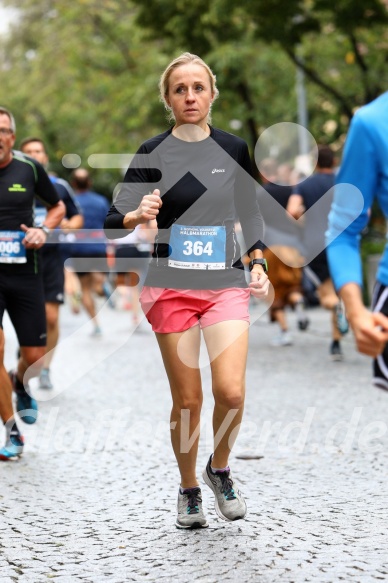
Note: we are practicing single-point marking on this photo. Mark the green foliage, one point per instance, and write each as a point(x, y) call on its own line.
point(80, 78)
point(342, 46)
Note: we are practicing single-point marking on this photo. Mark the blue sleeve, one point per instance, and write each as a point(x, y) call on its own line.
point(68, 197)
point(359, 170)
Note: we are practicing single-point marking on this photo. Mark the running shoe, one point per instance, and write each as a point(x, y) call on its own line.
point(44, 379)
point(26, 406)
point(13, 448)
point(108, 293)
point(342, 323)
point(336, 351)
point(302, 319)
point(97, 332)
point(228, 500)
point(190, 512)
point(75, 302)
point(303, 323)
point(284, 338)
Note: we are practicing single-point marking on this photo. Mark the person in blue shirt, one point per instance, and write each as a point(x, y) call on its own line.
point(315, 189)
point(365, 166)
point(88, 253)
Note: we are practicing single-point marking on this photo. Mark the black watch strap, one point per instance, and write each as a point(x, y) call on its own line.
point(262, 262)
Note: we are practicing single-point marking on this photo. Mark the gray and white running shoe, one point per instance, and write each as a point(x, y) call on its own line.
point(190, 512)
point(228, 500)
point(44, 379)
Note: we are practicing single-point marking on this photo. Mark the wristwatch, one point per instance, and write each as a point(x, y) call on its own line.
point(45, 230)
point(262, 262)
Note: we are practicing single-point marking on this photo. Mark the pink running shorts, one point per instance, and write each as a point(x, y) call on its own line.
point(177, 310)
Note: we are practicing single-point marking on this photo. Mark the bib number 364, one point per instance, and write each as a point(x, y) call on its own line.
point(201, 247)
point(197, 248)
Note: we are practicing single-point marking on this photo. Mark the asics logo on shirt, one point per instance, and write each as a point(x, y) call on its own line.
point(218, 170)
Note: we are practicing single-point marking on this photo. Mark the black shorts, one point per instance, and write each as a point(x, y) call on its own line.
point(53, 275)
point(380, 364)
point(317, 270)
point(130, 259)
point(23, 298)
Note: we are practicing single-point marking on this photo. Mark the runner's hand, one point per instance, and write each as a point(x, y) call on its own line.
point(65, 226)
point(259, 285)
point(149, 207)
point(34, 238)
point(370, 332)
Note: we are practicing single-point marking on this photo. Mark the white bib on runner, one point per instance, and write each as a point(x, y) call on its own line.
point(11, 248)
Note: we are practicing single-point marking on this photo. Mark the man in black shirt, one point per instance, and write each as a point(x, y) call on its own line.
point(53, 271)
point(21, 284)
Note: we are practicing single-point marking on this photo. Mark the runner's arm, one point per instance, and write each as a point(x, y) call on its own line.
point(295, 206)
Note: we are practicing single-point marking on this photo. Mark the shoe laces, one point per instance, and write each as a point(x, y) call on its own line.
point(193, 498)
point(226, 485)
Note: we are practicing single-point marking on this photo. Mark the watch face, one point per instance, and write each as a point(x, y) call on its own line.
point(262, 262)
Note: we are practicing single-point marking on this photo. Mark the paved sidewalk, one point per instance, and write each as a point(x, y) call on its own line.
point(93, 498)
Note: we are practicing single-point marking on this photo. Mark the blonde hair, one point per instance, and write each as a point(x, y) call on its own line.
point(184, 59)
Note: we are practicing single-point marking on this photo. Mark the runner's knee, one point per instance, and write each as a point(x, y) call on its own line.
point(187, 402)
point(32, 354)
point(230, 399)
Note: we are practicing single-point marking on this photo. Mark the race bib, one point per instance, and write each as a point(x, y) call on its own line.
point(197, 247)
point(11, 248)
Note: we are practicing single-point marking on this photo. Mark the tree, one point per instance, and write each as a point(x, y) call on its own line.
point(79, 77)
point(84, 75)
point(355, 24)
point(342, 47)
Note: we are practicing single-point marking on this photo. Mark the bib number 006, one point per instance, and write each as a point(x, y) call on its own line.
point(198, 248)
point(10, 247)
